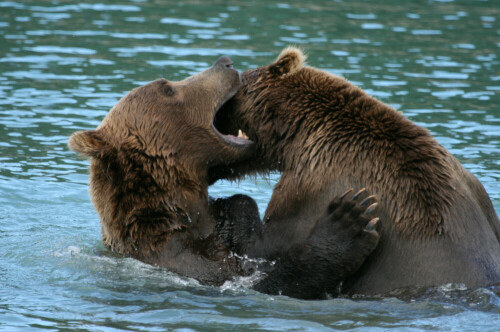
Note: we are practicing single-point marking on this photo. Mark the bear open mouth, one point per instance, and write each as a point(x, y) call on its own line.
point(239, 140)
point(223, 127)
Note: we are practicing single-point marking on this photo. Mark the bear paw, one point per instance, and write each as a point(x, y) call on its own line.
point(345, 235)
point(351, 218)
point(337, 246)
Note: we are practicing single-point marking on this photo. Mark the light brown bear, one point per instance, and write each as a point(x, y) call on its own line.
point(324, 135)
point(149, 183)
point(148, 172)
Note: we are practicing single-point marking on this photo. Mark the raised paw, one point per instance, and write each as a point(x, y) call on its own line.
point(338, 244)
point(347, 231)
point(352, 212)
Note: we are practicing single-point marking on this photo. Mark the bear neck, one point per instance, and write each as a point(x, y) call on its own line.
point(142, 199)
point(318, 129)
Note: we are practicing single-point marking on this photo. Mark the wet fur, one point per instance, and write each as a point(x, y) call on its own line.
point(324, 135)
point(149, 173)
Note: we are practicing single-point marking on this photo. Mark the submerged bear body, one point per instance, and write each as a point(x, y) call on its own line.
point(324, 135)
point(148, 171)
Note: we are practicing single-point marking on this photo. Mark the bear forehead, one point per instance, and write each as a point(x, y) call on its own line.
point(152, 89)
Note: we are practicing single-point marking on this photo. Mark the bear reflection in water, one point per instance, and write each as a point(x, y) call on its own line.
point(150, 162)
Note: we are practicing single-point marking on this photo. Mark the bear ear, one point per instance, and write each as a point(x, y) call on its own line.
point(290, 60)
point(90, 143)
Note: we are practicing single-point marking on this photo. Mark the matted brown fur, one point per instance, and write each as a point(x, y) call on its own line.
point(326, 135)
point(148, 172)
point(325, 125)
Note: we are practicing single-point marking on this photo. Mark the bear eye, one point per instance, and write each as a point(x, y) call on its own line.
point(168, 90)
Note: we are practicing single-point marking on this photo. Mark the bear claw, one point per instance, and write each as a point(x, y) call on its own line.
point(358, 193)
point(372, 224)
point(367, 200)
point(371, 208)
point(345, 194)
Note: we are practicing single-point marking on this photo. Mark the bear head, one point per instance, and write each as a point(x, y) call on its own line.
point(265, 90)
point(163, 119)
point(151, 153)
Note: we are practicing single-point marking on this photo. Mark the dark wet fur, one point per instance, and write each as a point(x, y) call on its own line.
point(149, 174)
point(437, 223)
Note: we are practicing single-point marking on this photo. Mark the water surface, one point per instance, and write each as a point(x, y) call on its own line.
point(64, 64)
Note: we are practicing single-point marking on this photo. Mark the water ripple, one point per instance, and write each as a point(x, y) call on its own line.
point(189, 23)
point(84, 6)
point(180, 51)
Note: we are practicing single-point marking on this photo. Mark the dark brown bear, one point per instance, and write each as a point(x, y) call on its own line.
point(324, 135)
point(149, 183)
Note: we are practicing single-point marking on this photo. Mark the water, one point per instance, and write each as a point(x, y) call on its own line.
point(63, 64)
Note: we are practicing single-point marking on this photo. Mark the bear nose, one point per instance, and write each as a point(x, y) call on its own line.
point(224, 62)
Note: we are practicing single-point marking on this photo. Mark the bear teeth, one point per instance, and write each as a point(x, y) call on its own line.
point(241, 134)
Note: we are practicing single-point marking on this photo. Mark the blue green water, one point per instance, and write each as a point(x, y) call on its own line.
point(64, 64)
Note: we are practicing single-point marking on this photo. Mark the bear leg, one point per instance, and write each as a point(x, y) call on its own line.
point(336, 247)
